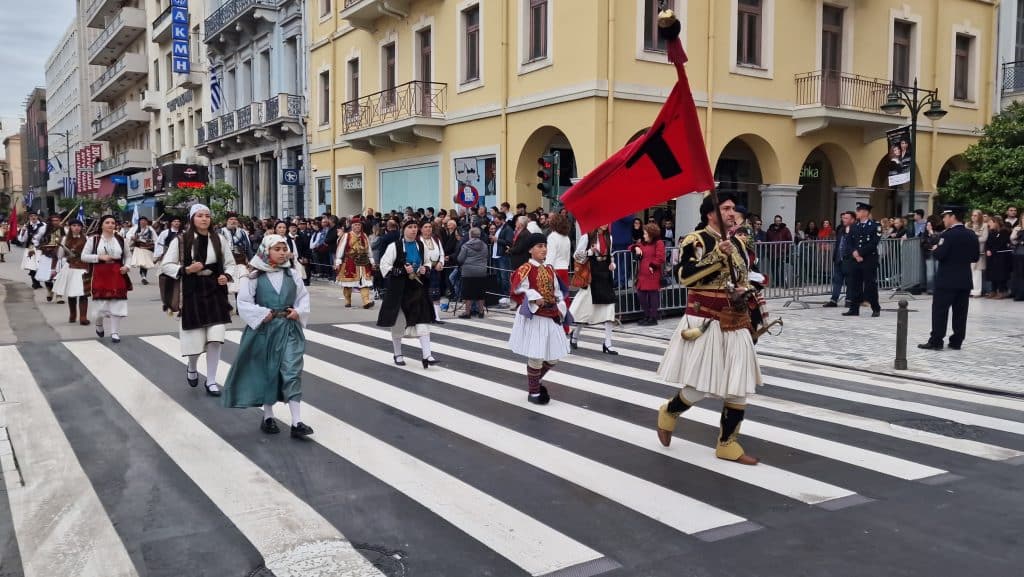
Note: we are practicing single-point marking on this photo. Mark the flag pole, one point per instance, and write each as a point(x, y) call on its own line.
point(733, 275)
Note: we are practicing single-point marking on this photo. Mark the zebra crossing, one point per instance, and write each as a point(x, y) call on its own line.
point(123, 469)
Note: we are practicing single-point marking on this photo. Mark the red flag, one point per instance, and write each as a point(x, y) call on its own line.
point(668, 161)
point(12, 224)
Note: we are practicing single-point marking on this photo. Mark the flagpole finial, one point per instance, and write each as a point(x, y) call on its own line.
point(669, 26)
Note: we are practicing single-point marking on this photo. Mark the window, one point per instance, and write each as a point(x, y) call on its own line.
point(962, 68)
point(325, 97)
point(652, 42)
point(901, 46)
point(471, 44)
point(352, 107)
point(1018, 47)
point(170, 134)
point(325, 8)
point(264, 75)
point(156, 74)
point(389, 71)
point(748, 34)
point(245, 94)
point(323, 194)
point(538, 45)
point(157, 142)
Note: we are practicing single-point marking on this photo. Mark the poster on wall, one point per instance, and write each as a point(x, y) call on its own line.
point(901, 155)
point(479, 174)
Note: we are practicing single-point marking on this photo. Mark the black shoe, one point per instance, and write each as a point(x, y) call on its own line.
point(572, 341)
point(212, 392)
point(192, 382)
point(541, 398)
point(437, 322)
point(115, 338)
point(852, 313)
point(830, 305)
point(301, 431)
point(399, 360)
point(876, 313)
point(144, 281)
point(481, 315)
point(269, 426)
point(643, 322)
point(931, 346)
point(99, 329)
point(426, 363)
point(466, 316)
point(607, 351)
point(348, 305)
point(954, 347)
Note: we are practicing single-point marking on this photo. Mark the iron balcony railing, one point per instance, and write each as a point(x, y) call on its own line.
point(101, 40)
point(107, 121)
point(160, 19)
point(111, 72)
point(230, 11)
point(213, 129)
point(1013, 77)
point(834, 89)
point(351, 3)
point(201, 135)
point(113, 162)
point(293, 107)
point(227, 123)
point(416, 99)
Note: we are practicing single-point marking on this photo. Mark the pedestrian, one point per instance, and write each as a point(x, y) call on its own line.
point(142, 244)
point(406, 309)
point(472, 259)
point(434, 260)
point(30, 236)
point(862, 284)
point(537, 332)
point(956, 251)
point(49, 247)
point(200, 258)
point(74, 281)
point(5, 245)
point(651, 253)
point(560, 252)
point(170, 296)
point(274, 305)
point(999, 257)
point(518, 253)
point(980, 229)
point(110, 284)
point(595, 304)
point(354, 264)
point(712, 351)
point(241, 250)
point(842, 259)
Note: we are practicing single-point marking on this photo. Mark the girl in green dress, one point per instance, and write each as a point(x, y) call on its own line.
point(274, 304)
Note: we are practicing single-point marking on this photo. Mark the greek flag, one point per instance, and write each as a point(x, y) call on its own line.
point(69, 187)
point(135, 215)
point(49, 166)
point(214, 91)
point(81, 214)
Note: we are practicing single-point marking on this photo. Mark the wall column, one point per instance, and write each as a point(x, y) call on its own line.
point(263, 191)
point(687, 213)
point(922, 200)
point(847, 198)
point(779, 199)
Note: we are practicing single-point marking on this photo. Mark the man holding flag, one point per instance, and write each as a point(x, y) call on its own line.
point(712, 352)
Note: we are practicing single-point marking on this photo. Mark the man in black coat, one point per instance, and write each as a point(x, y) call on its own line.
point(519, 252)
point(957, 249)
point(862, 283)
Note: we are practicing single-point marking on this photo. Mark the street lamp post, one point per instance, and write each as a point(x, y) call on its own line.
point(67, 150)
point(916, 100)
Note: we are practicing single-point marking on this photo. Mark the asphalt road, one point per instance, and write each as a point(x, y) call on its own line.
point(119, 468)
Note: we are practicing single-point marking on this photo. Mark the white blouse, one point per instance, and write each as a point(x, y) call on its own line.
point(558, 251)
point(169, 265)
point(107, 245)
point(435, 253)
point(253, 314)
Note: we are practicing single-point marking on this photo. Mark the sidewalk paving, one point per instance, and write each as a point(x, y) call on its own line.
point(991, 358)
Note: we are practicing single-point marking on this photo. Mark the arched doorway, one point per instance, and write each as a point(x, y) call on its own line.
point(739, 172)
point(817, 199)
point(544, 140)
point(953, 165)
point(889, 201)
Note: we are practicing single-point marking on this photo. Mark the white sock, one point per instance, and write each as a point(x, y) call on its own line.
point(115, 322)
point(608, 334)
point(425, 346)
point(212, 360)
point(268, 411)
point(437, 312)
point(397, 343)
point(193, 363)
point(293, 406)
point(576, 333)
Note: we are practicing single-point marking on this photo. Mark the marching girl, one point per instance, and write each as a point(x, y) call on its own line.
point(595, 304)
point(537, 331)
point(198, 258)
point(406, 309)
point(170, 296)
point(74, 281)
point(142, 245)
point(274, 304)
point(434, 262)
point(109, 259)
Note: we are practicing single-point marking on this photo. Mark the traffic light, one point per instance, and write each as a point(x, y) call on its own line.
point(547, 184)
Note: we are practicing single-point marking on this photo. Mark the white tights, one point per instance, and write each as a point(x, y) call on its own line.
point(608, 326)
point(293, 406)
point(212, 361)
point(396, 342)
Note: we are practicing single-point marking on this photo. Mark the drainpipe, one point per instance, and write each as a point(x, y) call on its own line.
point(504, 101)
point(304, 71)
point(334, 116)
point(932, 173)
point(710, 75)
point(609, 137)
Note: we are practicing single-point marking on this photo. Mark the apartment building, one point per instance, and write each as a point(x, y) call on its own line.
point(68, 107)
point(35, 154)
point(255, 133)
point(1011, 53)
point(413, 100)
point(176, 94)
point(13, 185)
point(121, 48)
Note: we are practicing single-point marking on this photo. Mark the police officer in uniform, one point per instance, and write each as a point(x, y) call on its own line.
point(956, 250)
point(862, 284)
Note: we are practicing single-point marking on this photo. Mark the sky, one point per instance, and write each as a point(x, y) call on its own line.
point(29, 32)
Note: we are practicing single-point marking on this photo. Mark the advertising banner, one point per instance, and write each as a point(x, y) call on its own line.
point(901, 155)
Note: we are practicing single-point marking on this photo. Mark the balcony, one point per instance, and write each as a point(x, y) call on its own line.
point(193, 79)
point(128, 161)
point(162, 26)
point(396, 116)
point(120, 122)
point(122, 75)
point(1013, 78)
point(240, 13)
point(364, 13)
point(831, 98)
point(99, 10)
point(255, 123)
point(152, 101)
point(201, 135)
point(120, 33)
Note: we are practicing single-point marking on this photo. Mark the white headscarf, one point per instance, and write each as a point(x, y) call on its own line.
point(197, 207)
point(261, 261)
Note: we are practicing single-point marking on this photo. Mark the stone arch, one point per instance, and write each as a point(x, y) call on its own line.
point(767, 159)
point(541, 141)
point(955, 163)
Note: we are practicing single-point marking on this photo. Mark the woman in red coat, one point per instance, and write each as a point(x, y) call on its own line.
point(648, 274)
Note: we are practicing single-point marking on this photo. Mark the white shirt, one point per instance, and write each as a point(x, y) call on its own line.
point(253, 314)
point(170, 267)
point(558, 251)
point(533, 227)
point(108, 246)
point(523, 288)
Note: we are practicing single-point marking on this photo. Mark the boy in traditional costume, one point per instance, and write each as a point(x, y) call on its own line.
point(170, 296)
point(241, 250)
point(142, 243)
point(49, 248)
point(354, 264)
point(537, 332)
point(74, 281)
point(274, 304)
point(30, 237)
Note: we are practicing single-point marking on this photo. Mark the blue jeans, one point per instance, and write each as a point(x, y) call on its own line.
point(501, 266)
point(838, 280)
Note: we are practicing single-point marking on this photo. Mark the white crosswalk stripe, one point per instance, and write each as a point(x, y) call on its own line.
point(966, 446)
point(535, 547)
point(873, 460)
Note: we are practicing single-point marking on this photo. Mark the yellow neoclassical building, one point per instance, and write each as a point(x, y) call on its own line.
point(414, 100)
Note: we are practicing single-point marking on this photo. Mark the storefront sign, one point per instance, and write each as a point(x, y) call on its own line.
point(170, 176)
point(181, 63)
point(85, 165)
point(354, 182)
point(179, 100)
point(468, 195)
point(901, 155)
point(289, 176)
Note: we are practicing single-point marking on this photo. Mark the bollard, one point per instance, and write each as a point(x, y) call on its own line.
point(902, 322)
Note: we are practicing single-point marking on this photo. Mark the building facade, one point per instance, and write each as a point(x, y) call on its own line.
point(13, 185)
point(255, 134)
point(67, 109)
point(412, 101)
point(35, 154)
point(1011, 52)
point(121, 48)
